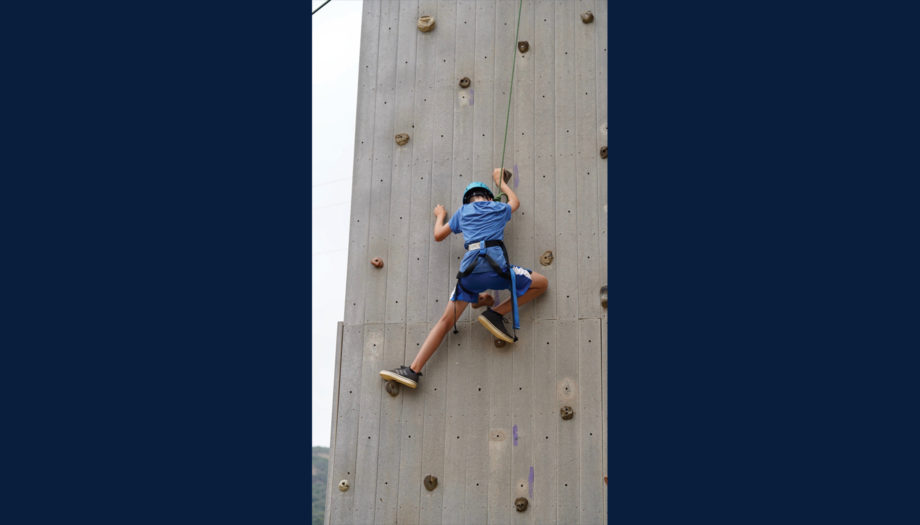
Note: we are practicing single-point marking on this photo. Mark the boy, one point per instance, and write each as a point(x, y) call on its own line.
point(484, 267)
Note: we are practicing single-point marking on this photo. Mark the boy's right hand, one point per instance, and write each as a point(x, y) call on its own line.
point(439, 211)
point(497, 176)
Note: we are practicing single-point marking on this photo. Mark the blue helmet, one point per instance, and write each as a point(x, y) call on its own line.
point(476, 188)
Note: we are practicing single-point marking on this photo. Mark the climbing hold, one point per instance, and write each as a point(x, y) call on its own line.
point(547, 258)
point(499, 343)
point(425, 23)
point(343, 485)
point(587, 17)
point(377, 262)
point(567, 413)
point(520, 504)
point(523, 46)
point(484, 299)
point(431, 482)
point(402, 138)
point(604, 296)
point(465, 82)
point(603, 152)
point(506, 175)
point(392, 388)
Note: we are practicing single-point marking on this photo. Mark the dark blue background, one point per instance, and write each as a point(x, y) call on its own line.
point(761, 223)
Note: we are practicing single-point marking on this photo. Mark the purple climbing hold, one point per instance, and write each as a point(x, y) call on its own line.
point(530, 483)
point(471, 95)
point(514, 434)
point(516, 178)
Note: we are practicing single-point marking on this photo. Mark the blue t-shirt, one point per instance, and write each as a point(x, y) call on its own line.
point(481, 221)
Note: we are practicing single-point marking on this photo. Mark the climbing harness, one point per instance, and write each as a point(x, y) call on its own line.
point(507, 273)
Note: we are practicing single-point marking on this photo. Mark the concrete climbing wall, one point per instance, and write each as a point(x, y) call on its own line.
point(485, 420)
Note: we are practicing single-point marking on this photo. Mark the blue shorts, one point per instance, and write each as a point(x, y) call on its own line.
point(480, 282)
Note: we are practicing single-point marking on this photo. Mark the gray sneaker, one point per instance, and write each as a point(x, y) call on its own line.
point(494, 323)
point(402, 375)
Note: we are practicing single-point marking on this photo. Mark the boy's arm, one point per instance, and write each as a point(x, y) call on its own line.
point(441, 229)
point(512, 198)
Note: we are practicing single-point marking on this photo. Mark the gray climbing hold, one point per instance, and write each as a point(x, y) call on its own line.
point(392, 388)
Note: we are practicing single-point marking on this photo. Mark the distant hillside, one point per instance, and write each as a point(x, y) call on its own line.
point(320, 472)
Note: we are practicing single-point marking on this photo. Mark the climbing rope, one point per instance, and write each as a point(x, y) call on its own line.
point(320, 7)
point(499, 193)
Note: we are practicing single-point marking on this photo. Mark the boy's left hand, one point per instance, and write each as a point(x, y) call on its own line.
point(439, 211)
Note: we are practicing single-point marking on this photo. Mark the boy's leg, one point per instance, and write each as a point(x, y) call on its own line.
point(451, 313)
point(538, 285)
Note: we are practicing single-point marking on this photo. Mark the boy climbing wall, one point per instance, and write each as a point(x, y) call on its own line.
point(485, 266)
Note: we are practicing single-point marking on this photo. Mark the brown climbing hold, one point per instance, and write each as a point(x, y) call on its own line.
point(425, 23)
point(506, 175)
point(465, 82)
point(567, 413)
point(587, 17)
point(499, 343)
point(402, 138)
point(603, 152)
point(377, 262)
point(484, 299)
point(523, 46)
point(605, 480)
point(547, 258)
point(431, 482)
point(392, 388)
point(520, 504)
point(604, 296)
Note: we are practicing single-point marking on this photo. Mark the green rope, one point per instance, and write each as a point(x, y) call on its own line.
point(517, 31)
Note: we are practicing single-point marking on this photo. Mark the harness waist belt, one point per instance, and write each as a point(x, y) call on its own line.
point(483, 244)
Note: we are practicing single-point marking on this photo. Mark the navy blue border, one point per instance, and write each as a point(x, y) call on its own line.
point(758, 210)
point(165, 285)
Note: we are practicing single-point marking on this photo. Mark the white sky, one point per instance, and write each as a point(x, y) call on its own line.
point(336, 45)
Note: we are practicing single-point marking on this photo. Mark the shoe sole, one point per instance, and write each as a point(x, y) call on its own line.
point(497, 332)
point(390, 376)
